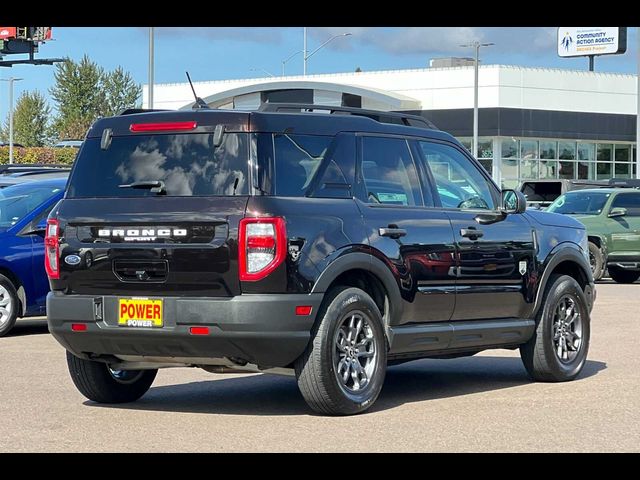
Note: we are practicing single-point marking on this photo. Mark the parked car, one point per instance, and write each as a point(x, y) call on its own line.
point(541, 193)
point(6, 180)
point(612, 219)
point(323, 246)
point(68, 144)
point(23, 280)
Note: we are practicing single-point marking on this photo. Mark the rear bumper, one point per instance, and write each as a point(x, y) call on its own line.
point(259, 329)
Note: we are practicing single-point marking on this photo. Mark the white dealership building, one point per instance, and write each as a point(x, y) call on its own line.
point(533, 122)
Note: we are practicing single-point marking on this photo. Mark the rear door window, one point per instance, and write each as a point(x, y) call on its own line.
point(187, 164)
point(388, 171)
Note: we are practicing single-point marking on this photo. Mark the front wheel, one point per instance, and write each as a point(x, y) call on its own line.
point(557, 351)
point(343, 368)
point(100, 383)
point(596, 261)
point(9, 305)
point(623, 276)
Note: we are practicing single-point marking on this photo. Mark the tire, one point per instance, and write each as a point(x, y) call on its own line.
point(321, 369)
point(596, 259)
point(623, 276)
point(97, 382)
point(9, 305)
point(540, 354)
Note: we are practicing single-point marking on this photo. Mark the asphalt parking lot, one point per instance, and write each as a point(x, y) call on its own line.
point(481, 403)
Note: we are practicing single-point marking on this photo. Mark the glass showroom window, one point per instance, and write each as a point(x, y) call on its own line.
point(567, 152)
point(485, 153)
point(586, 160)
point(604, 161)
point(548, 163)
point(529, 159)
point(622, 155)
point(509, 163)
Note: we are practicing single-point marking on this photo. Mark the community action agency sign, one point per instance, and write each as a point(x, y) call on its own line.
point(582, 41)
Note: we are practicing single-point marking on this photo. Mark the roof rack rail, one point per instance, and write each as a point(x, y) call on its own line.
point(131, 111)
point(624, 182)
point(377, 115)
point(27, 167)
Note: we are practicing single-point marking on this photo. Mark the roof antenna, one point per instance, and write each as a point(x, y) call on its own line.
point(199, 102)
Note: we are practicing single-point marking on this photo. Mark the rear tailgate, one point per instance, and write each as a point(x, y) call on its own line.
point(150, 246)
point(153, 204)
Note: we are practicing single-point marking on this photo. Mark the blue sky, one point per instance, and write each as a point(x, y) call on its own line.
point(231, 52)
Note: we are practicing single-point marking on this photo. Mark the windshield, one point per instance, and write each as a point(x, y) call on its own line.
point(185, 164)
point(579, 203)
point(19, 200)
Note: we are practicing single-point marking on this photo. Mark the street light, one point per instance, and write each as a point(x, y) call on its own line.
point(150, 96)
point(262, 70)
point(306, 57)
point(289, 58)
point(476, 45)
point(10, 80)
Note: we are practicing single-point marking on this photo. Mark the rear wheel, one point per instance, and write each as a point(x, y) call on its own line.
point(100, 383)
point(9, 305)
point(596, 260)
point(343, 368)
point(623, 276)
point(557, 351)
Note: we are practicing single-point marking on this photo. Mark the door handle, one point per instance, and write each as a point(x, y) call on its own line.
point(472, 233)
point(392, 232)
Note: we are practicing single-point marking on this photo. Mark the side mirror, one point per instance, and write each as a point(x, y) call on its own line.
point(617, 212)
point(513, 201)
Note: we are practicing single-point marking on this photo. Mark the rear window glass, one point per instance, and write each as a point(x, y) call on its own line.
point(187, 164)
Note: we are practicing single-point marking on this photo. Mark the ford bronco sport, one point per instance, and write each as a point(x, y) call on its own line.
point(326, 245)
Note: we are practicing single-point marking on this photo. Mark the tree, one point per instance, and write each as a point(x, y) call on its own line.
point(121, 92)
point(30, 120)
point(84, 92)
point(79, 96)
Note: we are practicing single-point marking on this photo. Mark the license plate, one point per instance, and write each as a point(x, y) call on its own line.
point(134, 312)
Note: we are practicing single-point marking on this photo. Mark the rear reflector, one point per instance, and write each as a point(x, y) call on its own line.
point(79, 327)
point(303, 310)
point(199, 330)
point(162, 127)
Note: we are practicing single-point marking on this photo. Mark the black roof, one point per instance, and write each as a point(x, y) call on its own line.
point(309, 123)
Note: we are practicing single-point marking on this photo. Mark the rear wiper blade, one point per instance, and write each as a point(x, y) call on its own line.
point(154, 186)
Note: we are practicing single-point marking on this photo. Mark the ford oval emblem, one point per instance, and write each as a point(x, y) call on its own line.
point(72, 259)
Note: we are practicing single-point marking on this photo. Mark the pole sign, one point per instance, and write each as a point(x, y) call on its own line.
point(585, 41)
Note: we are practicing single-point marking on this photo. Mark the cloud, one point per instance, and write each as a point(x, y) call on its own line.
point(440, 40)
point(245, 34)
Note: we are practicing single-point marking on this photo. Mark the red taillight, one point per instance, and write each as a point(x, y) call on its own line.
point(79, 327)
point(52, 249)
point(262, 247)
point(162, 127)
point(199, 330)
point(303, 310)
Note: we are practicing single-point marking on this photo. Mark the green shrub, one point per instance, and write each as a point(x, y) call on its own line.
point(64, 156)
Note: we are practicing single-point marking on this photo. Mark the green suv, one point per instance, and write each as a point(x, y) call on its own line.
point(612, 218)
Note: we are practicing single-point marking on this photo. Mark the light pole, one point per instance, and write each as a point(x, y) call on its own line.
point(476, 45)
point(262, 70)
point(306, 56)
point(289, 58)
point(638, 109)
point(150, 99)
point(10, 80)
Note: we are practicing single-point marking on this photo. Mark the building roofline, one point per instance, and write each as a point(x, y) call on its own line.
point(409, 70)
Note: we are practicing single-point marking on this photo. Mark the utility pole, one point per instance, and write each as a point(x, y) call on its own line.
point(476, 45)
point(150, 92)
point(638, 108)
point(304, 54)
point(11, 80)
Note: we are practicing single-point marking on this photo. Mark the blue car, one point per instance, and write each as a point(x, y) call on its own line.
point(23, 217)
